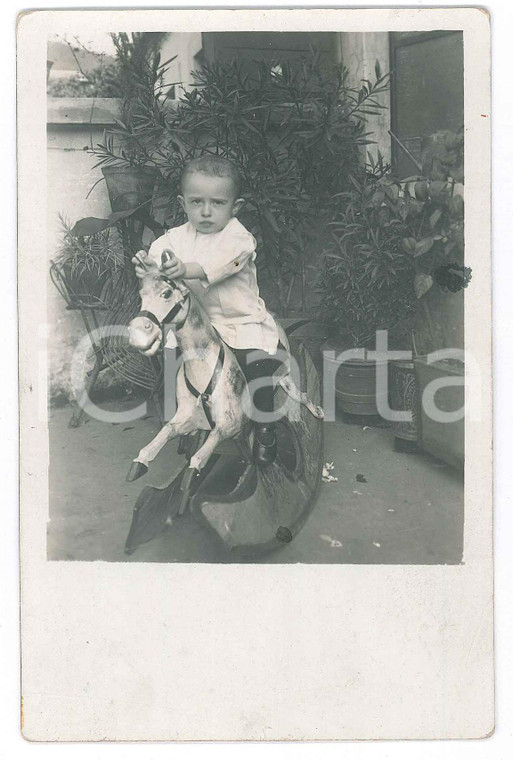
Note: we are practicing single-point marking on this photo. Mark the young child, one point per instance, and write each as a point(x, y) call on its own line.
point(215, 254)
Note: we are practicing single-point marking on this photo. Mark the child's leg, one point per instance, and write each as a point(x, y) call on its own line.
point(263, 366)
point(257, 367)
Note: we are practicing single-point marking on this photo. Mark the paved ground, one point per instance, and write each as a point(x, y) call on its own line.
point(407, 510)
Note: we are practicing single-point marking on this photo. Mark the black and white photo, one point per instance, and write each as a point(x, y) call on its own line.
point(259, 360)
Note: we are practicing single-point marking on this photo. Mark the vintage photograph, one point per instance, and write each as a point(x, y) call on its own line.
point(295, 195)
point(255, 375)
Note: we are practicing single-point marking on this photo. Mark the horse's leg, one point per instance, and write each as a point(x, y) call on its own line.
point(177, 426)
point(292, 391)
point(185, 421)
point(203, 454)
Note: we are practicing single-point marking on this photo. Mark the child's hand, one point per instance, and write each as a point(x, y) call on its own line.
point(139, 260)
point(171, 265)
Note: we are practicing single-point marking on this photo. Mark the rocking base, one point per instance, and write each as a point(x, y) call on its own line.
point(252, 509)
point(157, 505)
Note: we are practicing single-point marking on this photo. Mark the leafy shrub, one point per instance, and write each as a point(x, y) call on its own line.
point(393, 239)
point(294, 132)
point(367, 279)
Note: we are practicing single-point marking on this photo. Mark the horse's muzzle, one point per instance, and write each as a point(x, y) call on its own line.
point(144, 335)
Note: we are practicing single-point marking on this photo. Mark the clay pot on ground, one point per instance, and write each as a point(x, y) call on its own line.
point(355, 381)
point(404, 397)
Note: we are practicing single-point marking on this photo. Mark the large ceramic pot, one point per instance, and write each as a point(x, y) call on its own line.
point(355, 381)
point(129, 186)
point(404, 398)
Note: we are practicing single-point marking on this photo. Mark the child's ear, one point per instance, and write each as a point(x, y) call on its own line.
point(181, 201)
point(237, 206)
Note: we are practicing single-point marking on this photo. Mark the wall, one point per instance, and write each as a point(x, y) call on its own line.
point(359, 52)
point(73, 124)
point(187, 48)
point(440, 321)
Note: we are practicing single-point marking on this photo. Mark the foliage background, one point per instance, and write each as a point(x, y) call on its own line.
point(295, 131)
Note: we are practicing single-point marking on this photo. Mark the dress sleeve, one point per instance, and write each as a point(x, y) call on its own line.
point(229, 258)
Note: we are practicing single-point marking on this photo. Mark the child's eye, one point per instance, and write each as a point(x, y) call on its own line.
point(219, 203)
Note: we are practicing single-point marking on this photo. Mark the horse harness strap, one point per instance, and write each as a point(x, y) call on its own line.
point(207, 393)
point(206, 396)
point(168, 318)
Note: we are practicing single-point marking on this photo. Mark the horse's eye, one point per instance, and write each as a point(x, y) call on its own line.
point(167, 294)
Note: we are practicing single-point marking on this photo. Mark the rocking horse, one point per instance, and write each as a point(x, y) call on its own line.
point(251, 508)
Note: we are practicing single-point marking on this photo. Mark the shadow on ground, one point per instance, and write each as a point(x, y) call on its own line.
point(385, 508)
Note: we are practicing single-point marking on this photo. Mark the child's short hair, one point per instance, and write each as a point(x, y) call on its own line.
point(215, 166)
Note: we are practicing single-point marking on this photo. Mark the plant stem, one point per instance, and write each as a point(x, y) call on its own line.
point(289, 293)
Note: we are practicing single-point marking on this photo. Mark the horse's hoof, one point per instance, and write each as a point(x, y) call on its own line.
point(137, 470)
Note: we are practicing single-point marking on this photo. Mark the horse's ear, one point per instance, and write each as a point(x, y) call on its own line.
point(143, 260)
point(182, 287)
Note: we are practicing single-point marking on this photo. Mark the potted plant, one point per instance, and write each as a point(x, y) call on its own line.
point(392, 241)
point(366, 283)
point(440, 273)
point(126, 158)
point(86, 260)
point(86, 264)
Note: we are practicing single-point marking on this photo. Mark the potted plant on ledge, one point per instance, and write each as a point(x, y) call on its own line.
point(127, 154)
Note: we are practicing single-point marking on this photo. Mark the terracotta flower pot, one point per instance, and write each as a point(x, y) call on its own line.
point(355, 381)
point(404, 398)
point(129, 186)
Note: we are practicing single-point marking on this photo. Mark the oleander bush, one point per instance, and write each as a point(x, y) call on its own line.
point(393, 240)
point(295, 131)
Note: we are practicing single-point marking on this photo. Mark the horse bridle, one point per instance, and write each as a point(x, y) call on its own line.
point(204, 397)
point(172, 312)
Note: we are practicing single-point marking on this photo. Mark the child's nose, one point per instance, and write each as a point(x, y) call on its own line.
point(206, 210)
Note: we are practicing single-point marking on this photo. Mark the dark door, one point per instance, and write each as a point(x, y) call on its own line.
point(426, 89)
point(275, 46)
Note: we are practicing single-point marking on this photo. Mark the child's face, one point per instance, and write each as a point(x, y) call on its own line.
point(209, 202)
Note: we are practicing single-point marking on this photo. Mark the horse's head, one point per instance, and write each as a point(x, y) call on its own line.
point(163, 301)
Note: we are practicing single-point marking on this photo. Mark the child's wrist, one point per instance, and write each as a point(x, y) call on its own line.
point(194, 271)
